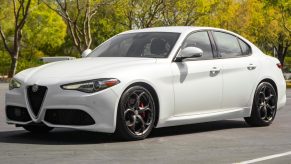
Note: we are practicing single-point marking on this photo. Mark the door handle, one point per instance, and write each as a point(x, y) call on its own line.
point(251, 67)
point(214, 71)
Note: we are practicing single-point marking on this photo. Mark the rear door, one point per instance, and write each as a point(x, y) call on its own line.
point(239, 70)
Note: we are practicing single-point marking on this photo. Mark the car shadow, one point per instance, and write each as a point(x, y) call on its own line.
point(199, 128)
point(74, 137)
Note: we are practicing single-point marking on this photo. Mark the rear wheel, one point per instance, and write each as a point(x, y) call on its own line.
point(37, 128)
point(136, 113)
point(264, 106)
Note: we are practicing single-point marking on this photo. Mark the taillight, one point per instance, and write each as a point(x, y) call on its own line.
point(279, 65)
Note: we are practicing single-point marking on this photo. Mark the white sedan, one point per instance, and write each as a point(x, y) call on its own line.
point(151, 78)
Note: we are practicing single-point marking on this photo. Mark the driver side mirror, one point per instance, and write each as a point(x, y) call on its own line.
point(86, 53)
point(189, 52)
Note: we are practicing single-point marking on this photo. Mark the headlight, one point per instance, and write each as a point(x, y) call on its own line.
point(14, 84)
point(91, 86)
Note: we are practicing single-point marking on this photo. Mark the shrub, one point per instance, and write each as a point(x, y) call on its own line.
point(23, 63)
point(4, 63)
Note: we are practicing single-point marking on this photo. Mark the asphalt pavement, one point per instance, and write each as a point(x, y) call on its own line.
point(229, 141)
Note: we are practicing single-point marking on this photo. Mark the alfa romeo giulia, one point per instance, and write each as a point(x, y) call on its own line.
point(150, 78)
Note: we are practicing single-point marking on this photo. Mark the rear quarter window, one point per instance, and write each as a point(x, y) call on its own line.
point(245, 48)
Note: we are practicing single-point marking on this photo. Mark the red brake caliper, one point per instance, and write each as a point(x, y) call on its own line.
point(142, 114)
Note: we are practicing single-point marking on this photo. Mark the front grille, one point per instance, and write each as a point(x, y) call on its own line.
point(68, 117)
point(35, 97)
point(16, 113)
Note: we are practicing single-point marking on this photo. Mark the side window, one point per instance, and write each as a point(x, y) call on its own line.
point(227, 45)
point(200, 40)
point(246, 50)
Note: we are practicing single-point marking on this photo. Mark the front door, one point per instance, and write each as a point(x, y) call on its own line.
point(198, 82)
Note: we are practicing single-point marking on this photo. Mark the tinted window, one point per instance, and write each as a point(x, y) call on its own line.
point(146, 44)
point(200, 40)
point(246, 50)
point(227, 45)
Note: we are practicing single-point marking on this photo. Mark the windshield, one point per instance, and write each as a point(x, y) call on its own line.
point(145, 44)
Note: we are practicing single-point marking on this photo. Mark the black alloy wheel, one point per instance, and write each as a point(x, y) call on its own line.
point(136, 113)
point(264, 106)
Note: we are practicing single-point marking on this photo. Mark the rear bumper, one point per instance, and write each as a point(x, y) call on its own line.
point(100, 106)
point(281, 86)
point(281, 102)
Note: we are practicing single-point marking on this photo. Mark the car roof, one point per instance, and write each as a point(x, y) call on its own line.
point(177, 29)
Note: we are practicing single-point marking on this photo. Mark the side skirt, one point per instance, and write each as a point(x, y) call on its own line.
point(206, 117)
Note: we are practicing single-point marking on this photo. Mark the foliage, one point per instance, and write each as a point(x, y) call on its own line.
point(277, 31)
point(44, 32)
point(78, 15)
point(186, 12)
point(106, 24)
point(20, 13)
point(66, 27)
point(5, 63)
point(288, 61)
point(24, 64)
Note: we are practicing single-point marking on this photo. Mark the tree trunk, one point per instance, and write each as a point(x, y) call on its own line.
point(282, 52)
point(13, 66)
point(20, 16)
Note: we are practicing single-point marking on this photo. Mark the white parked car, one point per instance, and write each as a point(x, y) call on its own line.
point(150, 78)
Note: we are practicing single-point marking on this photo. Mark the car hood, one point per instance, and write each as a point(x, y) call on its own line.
point(74, 69)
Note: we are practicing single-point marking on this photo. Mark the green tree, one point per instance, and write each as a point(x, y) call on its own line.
point(20, 12)
point(136, 14)
point(78, 15)
point(106, 24)
point(186, 12)
point(44, 32)
point(278, 34)
point(266, 23)
point(222, 15)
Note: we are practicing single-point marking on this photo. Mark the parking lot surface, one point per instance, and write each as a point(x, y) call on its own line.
point(229, 141)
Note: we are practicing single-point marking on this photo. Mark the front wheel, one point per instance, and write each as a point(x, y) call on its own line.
point(264, 106)
point(37, 129)
point(136, 113)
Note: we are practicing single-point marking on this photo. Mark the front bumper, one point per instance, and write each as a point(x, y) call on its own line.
point(100, 106)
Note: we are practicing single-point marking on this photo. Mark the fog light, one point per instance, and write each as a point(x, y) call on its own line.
point(17, 112)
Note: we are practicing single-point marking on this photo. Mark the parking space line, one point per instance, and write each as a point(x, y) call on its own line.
point(265, 158)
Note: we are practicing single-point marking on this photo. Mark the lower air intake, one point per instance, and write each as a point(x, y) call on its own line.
point(73, 117)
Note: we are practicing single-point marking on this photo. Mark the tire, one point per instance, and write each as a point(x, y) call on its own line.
point(37, 129)
point(264, 106)
point(136, 113)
